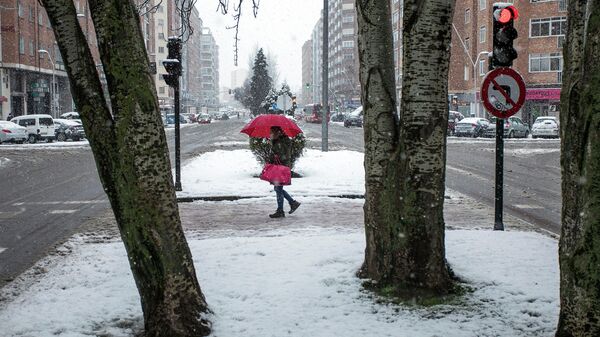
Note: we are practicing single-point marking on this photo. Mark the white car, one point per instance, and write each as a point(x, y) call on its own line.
point(39, 127)
point(11, 132)
point(70, 115)
point(545, 127)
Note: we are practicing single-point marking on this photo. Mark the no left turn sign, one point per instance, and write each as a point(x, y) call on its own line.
point(503, 92)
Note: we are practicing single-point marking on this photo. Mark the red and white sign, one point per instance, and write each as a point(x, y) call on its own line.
point(503, 92)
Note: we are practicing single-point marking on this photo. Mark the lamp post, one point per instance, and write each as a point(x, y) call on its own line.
point(53, 99)
point(474, 63)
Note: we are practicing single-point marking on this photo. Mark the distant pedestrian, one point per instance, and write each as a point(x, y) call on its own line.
point(281, 148)
point(10, 116)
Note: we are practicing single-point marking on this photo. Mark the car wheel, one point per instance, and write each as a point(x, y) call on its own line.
point(511, 134)
point(50, 140)
point(526, 134)
point(32, 139)
point(61, 137)
point(20, 141)
point(534, 137)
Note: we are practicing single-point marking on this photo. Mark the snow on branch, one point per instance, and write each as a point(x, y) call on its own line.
point(223, 7)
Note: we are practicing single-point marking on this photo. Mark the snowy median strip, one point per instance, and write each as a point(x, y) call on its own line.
point(233, 173)
point(300, 284)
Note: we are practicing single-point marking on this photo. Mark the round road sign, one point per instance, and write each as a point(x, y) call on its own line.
point(503, 92)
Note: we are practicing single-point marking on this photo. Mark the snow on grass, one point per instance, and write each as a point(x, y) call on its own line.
point(301, 284)
point(232, 173)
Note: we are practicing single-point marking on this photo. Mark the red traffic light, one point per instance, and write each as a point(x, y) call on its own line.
point(506, 14)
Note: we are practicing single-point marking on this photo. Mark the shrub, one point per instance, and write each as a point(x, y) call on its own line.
point(261, 149)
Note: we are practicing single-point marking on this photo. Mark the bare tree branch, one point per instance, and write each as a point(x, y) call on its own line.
point(223, 7)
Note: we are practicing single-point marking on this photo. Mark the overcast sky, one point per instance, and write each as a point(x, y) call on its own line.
point(281, 27)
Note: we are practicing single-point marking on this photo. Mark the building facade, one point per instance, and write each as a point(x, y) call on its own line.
point(238, 77)
point(307, 73)
point(209, 69)
point(317, 63)
point(344, 84)
point(191, 88)
point(541, 26)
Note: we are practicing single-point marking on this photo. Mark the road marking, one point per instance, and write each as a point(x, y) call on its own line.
point(528, 206)
point(465, 172)
point(2, 249)
point(42, 203)
point(63, 211)
point(8, 215)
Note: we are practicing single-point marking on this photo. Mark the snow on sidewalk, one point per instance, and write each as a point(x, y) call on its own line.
point(232, 173)
point(299, 284)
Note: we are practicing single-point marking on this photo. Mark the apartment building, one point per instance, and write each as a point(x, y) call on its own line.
point(541, 27)
point(307, 73)
point(344, 82)
point(191, 88)
point(315, 85)
point(209, 69)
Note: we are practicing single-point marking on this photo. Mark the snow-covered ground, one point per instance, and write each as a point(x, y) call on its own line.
point(47, 146)
point(233, 173)
point(297, 284)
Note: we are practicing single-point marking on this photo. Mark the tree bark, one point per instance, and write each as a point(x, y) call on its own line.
point(405, 159)
point(579, 250)
point(131, 154)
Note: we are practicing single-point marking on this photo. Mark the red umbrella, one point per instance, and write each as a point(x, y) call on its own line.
point(260, 127)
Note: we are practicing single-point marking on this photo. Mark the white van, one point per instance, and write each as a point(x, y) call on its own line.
point(39, 127)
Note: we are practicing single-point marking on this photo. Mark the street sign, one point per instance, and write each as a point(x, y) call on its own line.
point(503, 92)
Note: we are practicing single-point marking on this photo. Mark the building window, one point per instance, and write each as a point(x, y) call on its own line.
point(548, 62)
point(30, 14)
point(21, 45)
point(161, 36)
point(160, 9)
point(348, 18)
point(161, 90)
point(40, 19)
point(348, 31)
point(482, 4)
point(31, 48)
point(467, 71)
point(548, 27)
point(481, 67)
point(21, 10)
point(467, 15)
point(482, 34)
point(161, 50)
point(348, 44)
point(468, 44)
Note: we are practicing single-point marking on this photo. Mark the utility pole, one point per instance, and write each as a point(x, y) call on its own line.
point(325, 85)
point(173, 66)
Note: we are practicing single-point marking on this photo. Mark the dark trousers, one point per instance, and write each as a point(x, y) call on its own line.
point(281, 193)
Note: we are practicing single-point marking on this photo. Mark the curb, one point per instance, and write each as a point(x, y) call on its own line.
point(235, 198)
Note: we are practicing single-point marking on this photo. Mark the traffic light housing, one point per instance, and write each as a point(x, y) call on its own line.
point(173, 62)
point(504, 16)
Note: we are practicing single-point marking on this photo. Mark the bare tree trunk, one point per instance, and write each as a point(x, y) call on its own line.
point(130, 149)
point(405, 160)
point(580, 130)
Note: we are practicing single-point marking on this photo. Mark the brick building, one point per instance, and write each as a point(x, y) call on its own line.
point(541, 26)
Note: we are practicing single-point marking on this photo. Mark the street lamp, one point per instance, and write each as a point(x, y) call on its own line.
point(52, 101)
point(474, 63)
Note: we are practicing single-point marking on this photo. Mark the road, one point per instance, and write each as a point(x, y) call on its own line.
point(48, 192)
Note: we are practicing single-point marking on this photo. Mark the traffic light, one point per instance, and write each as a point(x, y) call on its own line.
point(307, 85)
point(173, 62)
point(504, 16)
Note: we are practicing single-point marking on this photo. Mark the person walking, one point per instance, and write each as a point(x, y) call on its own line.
point(280, 154)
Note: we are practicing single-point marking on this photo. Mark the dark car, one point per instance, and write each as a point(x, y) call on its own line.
point(170, 119)
point(224, 117)
point(65, 129)
point(353, 121)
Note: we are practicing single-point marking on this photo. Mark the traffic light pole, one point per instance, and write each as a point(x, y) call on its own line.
point(325, 79)
point(499, 205)
point(177, 137)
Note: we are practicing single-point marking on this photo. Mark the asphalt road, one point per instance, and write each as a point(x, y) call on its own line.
point(48, 192)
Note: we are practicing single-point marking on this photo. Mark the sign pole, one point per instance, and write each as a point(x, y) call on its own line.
point(498, 222)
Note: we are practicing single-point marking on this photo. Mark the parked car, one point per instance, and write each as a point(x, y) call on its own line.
point(471, 127)
point(338, 117)
point(11, 132)
point(204, 119)
point(513, 128)
point(545, 127)
point(353, 121)
point(170, 120)
point(191, 117)
point(224, 117)
point(70, 115)
point(68, 129)
point(39, 127)
point(453, 118)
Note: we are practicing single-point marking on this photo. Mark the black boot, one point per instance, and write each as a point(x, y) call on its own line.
point(294, 206)
point(278, 214)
